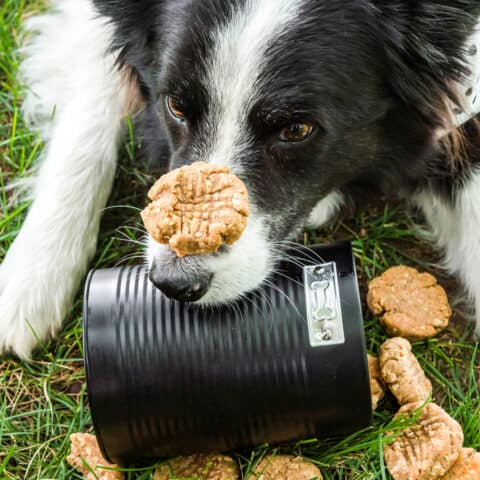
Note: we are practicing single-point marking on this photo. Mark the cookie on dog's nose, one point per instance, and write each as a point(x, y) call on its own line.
point(197, 208)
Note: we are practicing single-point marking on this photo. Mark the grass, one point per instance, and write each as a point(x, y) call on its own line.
point(43, 401)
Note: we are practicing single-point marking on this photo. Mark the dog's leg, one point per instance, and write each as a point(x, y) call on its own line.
point(456, 226)
point(77, 100)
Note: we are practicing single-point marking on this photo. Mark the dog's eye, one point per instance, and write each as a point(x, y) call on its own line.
point(296, 132)
point(174, 109)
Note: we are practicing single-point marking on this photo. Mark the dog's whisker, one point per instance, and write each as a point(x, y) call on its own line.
point(124, 237)
point(254, 298)
point(270, 284)
point(129, 207)
point(284, 251)
point(265, 302)
point(128, 258)
point(305, 251)
point(297, 247)
point(133, 228)
point(262, 295)
point(289, 278)
point(283, 256)
point(129, 240)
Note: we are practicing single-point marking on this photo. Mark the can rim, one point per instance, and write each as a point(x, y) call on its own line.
point(363, 336)
point(86, 355)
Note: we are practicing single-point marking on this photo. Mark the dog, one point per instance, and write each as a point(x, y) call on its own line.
point(309, 102)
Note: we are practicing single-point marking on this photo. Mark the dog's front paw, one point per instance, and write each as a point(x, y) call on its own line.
point(16, 332)
point(32, 307)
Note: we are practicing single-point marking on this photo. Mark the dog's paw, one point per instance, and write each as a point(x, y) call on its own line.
point(32, 306)
point(26, 320)
point(16, 335)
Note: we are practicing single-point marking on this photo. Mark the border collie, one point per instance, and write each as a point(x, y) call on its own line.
point(309, 102)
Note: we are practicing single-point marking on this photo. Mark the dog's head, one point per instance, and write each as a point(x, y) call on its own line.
point(302, 99)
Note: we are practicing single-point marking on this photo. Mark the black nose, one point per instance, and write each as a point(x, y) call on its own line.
point(183, 289)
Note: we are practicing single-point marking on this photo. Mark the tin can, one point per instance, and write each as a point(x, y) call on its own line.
point(287, 362)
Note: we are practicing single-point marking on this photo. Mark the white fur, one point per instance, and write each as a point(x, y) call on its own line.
point(235, 69)
point(325, 209)
point(76, 100)
point(248, 263)
point(457, 230)
point(243, 268)
point(232, 81)
point(251, 259)
point(468, 89)
point(471, 103)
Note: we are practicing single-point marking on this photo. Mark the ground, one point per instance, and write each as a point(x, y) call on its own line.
point(43, 401)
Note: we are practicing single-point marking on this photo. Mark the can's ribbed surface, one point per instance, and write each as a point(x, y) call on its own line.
point(166, 378)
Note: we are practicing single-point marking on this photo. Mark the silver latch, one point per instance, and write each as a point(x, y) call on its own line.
point(324, 309)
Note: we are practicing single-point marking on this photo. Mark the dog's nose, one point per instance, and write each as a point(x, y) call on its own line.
point(181, 288)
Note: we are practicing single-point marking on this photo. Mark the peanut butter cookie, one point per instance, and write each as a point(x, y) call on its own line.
point(285, 467)
point(428, 448)
point(198, 467)
point(197, 208)
point(402, 373)
point(85, 446)
point(410, 304)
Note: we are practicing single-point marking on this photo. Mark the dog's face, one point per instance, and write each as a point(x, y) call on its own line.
point(292, 96)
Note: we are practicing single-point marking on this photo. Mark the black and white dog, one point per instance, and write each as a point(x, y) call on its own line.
point(308, 101)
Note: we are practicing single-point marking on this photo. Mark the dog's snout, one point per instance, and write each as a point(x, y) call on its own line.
point(182, 288)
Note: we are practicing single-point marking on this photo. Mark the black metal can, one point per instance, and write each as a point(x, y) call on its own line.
point(288, 362)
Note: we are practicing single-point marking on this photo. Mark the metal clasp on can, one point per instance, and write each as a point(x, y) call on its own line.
point(324, 311)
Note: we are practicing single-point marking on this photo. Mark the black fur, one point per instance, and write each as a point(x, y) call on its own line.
point(373, 76)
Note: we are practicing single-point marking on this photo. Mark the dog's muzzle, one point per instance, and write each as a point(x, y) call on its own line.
point(184, 287)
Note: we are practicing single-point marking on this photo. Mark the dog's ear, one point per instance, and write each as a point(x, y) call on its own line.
point(135, 35)
point(426, 47)
point(136, 27)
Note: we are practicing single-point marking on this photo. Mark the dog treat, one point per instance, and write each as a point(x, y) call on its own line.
point(467, 467)
point(377, 385)
point(85, 446)
point(410, 304)
point(198, 467)
point(197, 208)
point(402, 373)
point(427, 449)
point(285, 467)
